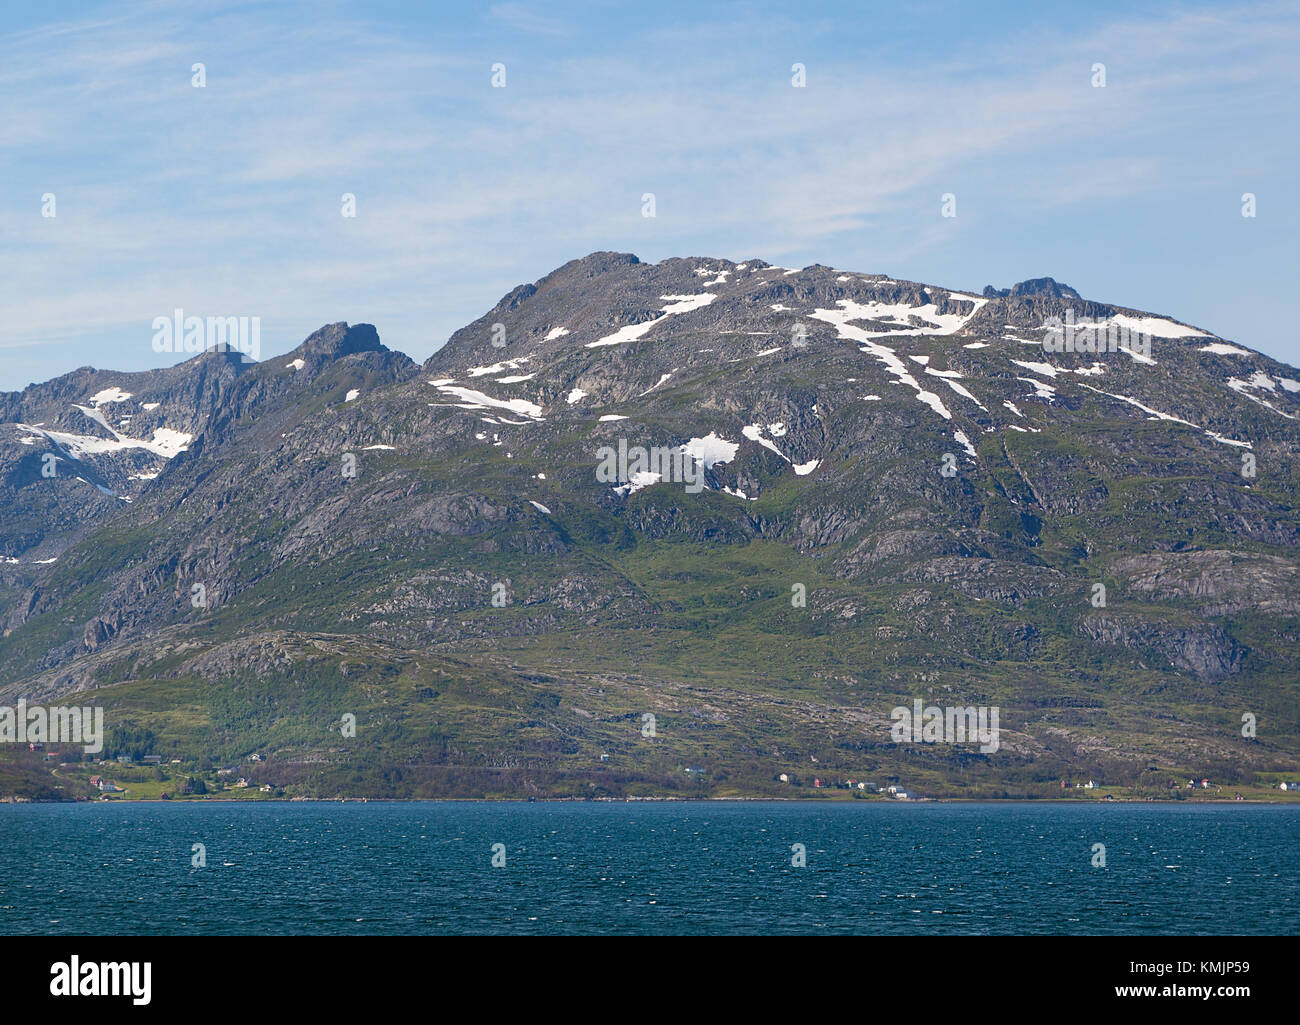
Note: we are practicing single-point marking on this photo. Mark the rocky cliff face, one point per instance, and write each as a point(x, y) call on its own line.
point(948, 495)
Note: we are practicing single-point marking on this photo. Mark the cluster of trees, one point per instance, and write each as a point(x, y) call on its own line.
point(133, 741)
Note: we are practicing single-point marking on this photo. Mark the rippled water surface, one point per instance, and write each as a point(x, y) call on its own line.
point(648, 868)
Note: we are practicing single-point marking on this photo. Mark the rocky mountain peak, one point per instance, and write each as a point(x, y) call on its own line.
point(1033, 286)
point(335, 340)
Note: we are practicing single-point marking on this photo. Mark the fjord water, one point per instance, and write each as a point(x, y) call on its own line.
point(648, 868)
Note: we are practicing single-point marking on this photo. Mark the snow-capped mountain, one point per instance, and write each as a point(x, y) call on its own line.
point(605, 496)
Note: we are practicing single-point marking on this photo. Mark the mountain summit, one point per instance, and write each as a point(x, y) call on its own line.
point(1034, 286)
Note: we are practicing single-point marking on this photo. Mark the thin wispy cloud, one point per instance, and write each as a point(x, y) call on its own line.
point(227, 199)
point(523, 19)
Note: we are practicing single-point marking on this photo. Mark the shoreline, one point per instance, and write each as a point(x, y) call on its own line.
point(662, 800)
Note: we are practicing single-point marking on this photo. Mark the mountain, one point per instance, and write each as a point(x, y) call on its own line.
point(865, 491)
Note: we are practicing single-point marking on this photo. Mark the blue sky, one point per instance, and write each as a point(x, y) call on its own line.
point(225, 200)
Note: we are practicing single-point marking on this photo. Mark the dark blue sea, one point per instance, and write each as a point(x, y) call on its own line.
point(648, 868)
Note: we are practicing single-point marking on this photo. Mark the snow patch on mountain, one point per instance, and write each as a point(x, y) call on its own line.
point(640, 479)
point(1041, 390)
point(1039, 368)
point(687, 303)
point(754, 432)
point(901, 316)
point(961, 390)
point(1138, 357)
point(98, 417)
point(1224, 349)
point(711, 449)
point(109, 395)
point(1243, 388)
point(851, 311)
point(1157, 326)
point(478, 400)
point(495, 368)
point(166, 442)
point(677, 304)
point(661, 380)
point(627, 333)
